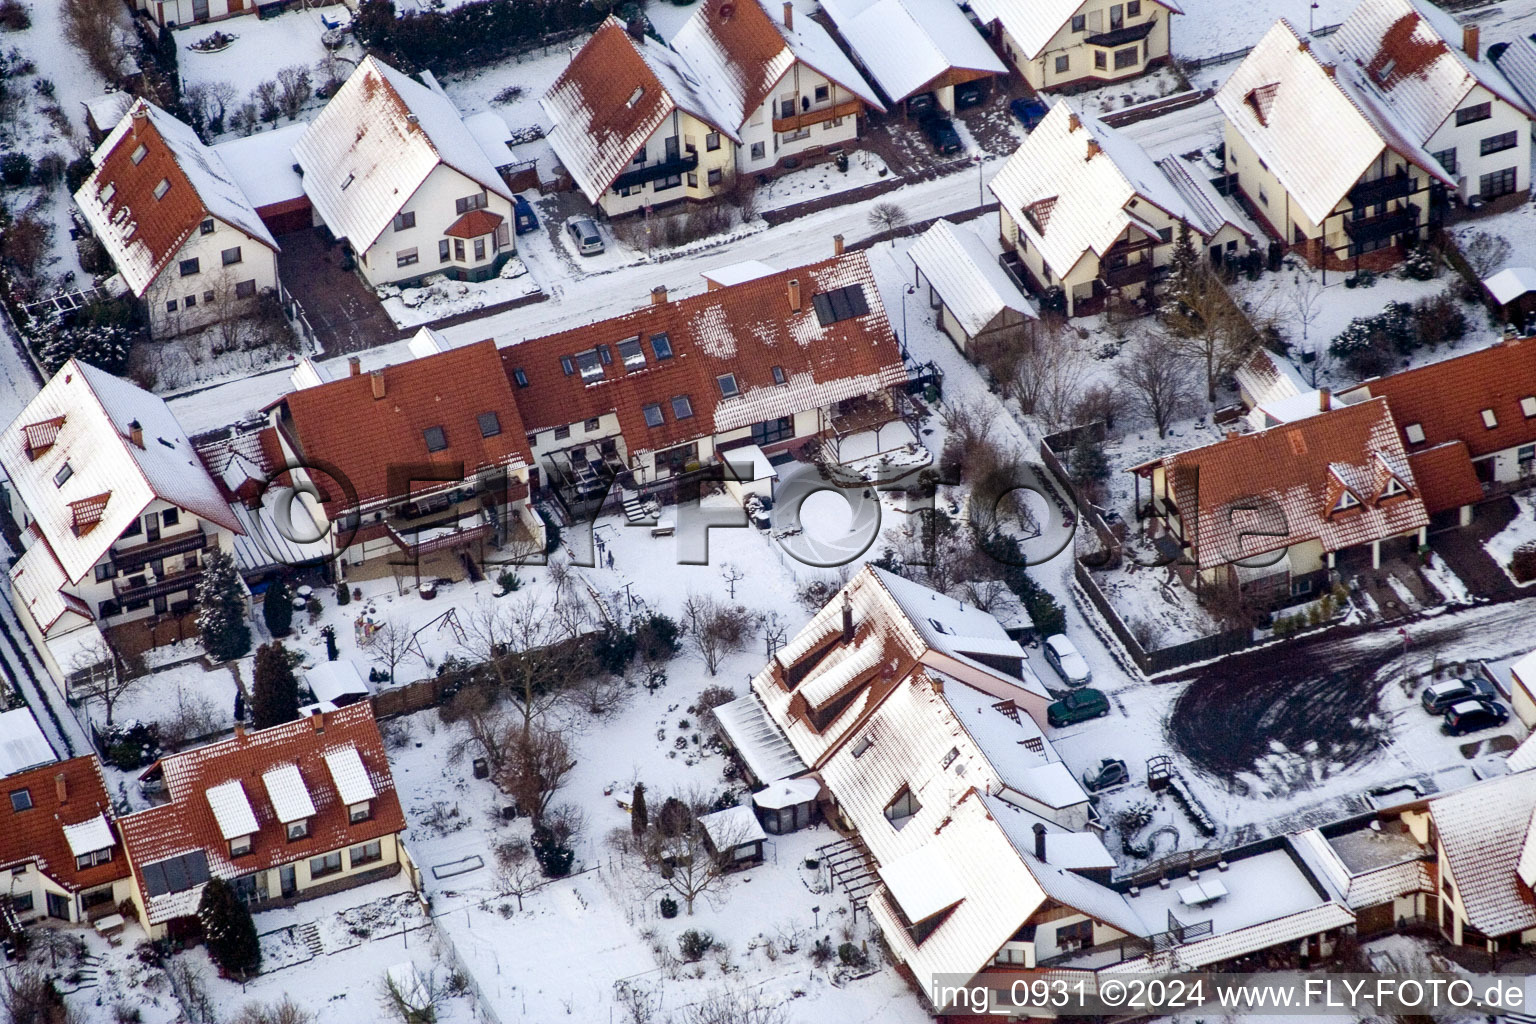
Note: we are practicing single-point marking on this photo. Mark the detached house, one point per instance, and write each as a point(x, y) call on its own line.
point(1485, 845)
point(1273, 512)
point(1061, 44)
point(1431, 77)
point(425, 461)
point(391, 170)
point(283, 814)
point(117, 513)
point(779, 361)
point(186, 240)
point(1084, 211)
point(742, 87)
point(61, 855)
point(917, 53)
point(1376, 187)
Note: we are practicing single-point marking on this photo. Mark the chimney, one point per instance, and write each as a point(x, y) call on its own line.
point(659, 295)
point(1331, 70)
point(1074, 123)
point(378, 383)
point(317, 719)
point(1305, 46)
point(794, 295)
point(1040, 842)
point(354, 366)
point(837, 245)
point(61, 787)
point(789, 15)
point(1323, 397)
point(1093, 149)
point(239, 732)
point(136, 433)
point(847, 618)
point(1469, 40)
point(1231, 434)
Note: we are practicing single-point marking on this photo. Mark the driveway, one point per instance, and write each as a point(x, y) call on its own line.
point(1463, 552)
point(345, 314)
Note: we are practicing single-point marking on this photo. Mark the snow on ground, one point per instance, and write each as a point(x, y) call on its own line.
point(261, 48)
point(512, 87)
point(1210, 27)
point(1182, 131)
point(823, 179)
point(1520, 532)
point(1440, 576)
point(440, 297)
point(1517, 227)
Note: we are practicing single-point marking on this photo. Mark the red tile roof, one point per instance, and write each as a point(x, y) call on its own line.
point(746, 329)
point(1445, 477)
point(37, 834)
point(1447, 398)
point(475, 224)
point(342, 424)
point(187, 823)
point(1261, 492)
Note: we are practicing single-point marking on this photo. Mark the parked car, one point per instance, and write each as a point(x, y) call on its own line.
point(1077, 706)
point(970, 94)
point(1066, 660)
point(1111, 772)
point(523, 216)
point(1472, 715)
point(1030, 112)
point(1439, 696)
point(584, 232)
point(941, 132)
point(921, 104)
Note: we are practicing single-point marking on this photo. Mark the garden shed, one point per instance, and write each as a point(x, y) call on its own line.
point(735, 837)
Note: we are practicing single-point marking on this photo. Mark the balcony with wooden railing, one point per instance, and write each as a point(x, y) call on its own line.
point(127, 561)
point(819, 115)
point(1130, 274)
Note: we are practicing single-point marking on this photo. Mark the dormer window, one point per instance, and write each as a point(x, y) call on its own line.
point(240, 846)
point(902, 807)
point(1346, 500)
point(360, 811)
point(632, 354)
point(94, 857)
point(1490, 420)
point(298, 829)
point(590, 363)
point(1414, 432)
point(1394, 486)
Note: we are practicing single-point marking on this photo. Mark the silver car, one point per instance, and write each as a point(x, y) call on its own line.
point(1065, 659)
point(585, 234)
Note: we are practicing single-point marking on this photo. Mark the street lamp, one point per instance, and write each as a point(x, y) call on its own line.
point(910, 289)
point(981, 182)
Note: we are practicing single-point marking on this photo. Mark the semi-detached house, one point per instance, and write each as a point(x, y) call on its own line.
point(186, 240)
point(392, 171)
point(638, 123)
point(1062, 44)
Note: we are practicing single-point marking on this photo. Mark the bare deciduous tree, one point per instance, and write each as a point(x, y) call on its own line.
point(684, 857)
point(734, 1006)
point(1204, 323)
point(1160, 380)
point(91, 26)
point(526, 645)
point(391, 645)
point(533, 768)
point(887, 216)
point(1485, 252)
point(99, 674)
point(283, 1011)
point(517, 872)
point(294, 89)
point(716, 630)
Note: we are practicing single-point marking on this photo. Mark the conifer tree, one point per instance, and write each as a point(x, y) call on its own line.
point(228, 929)
point(221, 616)
point(277, 608)
point(275, 693)
point(639, 817)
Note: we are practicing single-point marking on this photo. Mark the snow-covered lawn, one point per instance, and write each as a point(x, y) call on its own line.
point(1517, 227)
point(1520, 532)
point(823, 179)
point(1211, 27)
point(261, 48)
point(440, 297)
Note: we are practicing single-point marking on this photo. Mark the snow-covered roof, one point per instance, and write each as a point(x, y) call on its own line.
point(72, 461)
point(966, 274)
point(108, 108)
point(762, 745)
point(1414, 63)
point(290, 797)
point(1211, 210)
point(1014, 745)
point(90, 835)
point(1288, 93)
point(231, 809)
point(786, 793)
point(1517, 61)
point(1511, 283)
point(333, 680)
point(616, 92)
point(40, 584)
point(741, 49)
point(1483, 832)
point(1266, 377)
point(374, 144)
point(732, 827)
point(22, 743)
point(1033, 23)
point(1064, 848)
point(349, 775)
point(736, 273)
point(263, 166)
point(906, 44)
point(1525, 868)
point(1074, 185)
point(922, 882)
point(155, 182)
point(492, 135)
point(1523, 757)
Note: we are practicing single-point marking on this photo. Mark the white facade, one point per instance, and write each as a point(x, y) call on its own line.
point(680, 135)
point(1505, 131)
point(408, 253)
point(218, 274)
point(798, 117)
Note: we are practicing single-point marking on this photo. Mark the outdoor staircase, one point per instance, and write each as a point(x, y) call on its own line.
point(638, 509)
point(310, 936)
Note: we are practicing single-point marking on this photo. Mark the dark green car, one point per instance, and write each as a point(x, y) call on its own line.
point(1078, 706)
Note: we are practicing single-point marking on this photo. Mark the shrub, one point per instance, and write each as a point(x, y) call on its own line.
point(554, 857)
point(277, 608)
point(509, 581)
point(15, 169)
point(851, 955)
point(614, 648)
point(50, 169)
point(343, 595)
point(132, 745)
point(656, 637)
point(821, 952)
point(1421, 264)
point(1367, 346)
point(1438, 320)
point(1522, 565)
point(14, 16)
point(668, 907)
point(78, 170)
point(693, 944)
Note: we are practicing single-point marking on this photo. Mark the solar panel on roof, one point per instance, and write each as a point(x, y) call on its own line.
point(840, 304)
point(176, 874)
